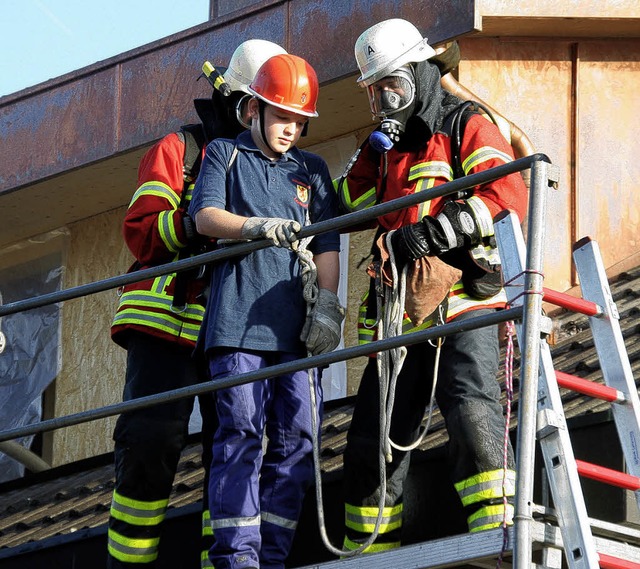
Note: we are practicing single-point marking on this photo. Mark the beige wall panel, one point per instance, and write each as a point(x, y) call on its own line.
point(530, 83)
point(555, 9)
point(92, 372)
point(608, 185)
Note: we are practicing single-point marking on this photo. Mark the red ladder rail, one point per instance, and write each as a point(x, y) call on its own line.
point(610, 562)
point(608, 475)
point(587, 387)
point(569, 302)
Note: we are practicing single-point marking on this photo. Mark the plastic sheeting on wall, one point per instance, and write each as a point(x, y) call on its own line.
point(31, 357)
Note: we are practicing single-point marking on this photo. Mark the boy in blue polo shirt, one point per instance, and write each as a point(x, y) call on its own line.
point(262, 186)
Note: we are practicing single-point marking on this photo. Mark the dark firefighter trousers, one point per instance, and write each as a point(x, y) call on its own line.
point(468, 396)
point(148, 443)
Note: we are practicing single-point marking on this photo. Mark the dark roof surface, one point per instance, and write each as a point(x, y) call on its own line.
point(74, 497)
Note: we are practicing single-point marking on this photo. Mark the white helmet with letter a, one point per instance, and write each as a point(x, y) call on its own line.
point(246, 60)
point(387, 46)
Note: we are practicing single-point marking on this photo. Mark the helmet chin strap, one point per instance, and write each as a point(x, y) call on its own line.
point(261, 107)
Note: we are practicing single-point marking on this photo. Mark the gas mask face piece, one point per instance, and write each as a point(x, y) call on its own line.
point(391, 100)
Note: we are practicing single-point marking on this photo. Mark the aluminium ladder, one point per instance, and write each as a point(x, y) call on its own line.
point(581, 548)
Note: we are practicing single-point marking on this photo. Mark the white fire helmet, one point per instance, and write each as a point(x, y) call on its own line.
point(246, 60)
point(387, 46)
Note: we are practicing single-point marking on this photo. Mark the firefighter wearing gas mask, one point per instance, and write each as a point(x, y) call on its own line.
point(411, 151)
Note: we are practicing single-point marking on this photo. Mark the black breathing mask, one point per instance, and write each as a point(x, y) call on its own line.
point(392, 100)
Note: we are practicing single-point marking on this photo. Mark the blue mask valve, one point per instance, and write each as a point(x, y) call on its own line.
point(380, 142)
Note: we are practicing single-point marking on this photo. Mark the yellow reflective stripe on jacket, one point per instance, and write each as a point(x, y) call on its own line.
point(278, 520)
point(132, 550)
point(188, 193)
point(484, 154)
point(235, 522)
point(426, 174)
point(163, 322)
point(138, 512)
point(350, 545)
point(157, 189)
point(490, 517)
point(434, 169)
point(152, 299)
point(363, 518)
point(206, 523)
point(461, 302)
point(482, 215)
point(486, 485)
point(167, 231)
point(367, 327)
point(364, 201)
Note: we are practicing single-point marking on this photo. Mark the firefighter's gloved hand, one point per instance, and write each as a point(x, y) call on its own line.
point(322, 330)
point(281, 232)
point(455, 226)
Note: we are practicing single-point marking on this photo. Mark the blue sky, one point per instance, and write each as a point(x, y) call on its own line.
point(42, 39)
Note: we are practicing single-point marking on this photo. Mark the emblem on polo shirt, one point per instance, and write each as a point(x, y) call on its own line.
point(302, 194)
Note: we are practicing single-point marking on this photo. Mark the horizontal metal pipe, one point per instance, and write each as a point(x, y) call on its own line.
point(337, 223)
point(273, 371)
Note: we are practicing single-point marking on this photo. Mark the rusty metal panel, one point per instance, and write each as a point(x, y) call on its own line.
point(325, 33)
point(608, 200)
point(134, 98)
point(57, 130)
point(157, 90)
point(529, 82)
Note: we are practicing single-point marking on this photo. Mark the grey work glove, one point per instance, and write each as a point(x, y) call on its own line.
point(321, 331)
point(281, 232)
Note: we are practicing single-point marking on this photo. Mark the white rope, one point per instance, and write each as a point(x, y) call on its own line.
point(309, 274)
point(393, 318)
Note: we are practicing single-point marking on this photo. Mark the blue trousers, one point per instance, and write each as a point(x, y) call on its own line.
point(256, 495)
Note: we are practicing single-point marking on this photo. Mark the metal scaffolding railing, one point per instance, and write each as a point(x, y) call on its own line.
point(529, 314)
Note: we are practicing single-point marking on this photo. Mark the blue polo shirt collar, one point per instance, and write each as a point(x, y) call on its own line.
point(245, 142)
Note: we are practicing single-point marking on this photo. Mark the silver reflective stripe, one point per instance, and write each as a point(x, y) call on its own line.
point(205, 562)
point(449, 233)
point(151, 299)
point(386, 520)
point(497, 517)
point(482, 216)
point(133, 512)
point(157, 189)
point(495, 486)
point(278, 521)
point(137, 551)
point(167, 231)
point(235, 522)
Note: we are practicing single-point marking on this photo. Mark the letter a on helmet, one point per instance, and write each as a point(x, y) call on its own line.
point(288, 82)
point(387, 46)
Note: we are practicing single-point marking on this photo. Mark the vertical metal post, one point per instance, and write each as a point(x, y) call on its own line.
point(529, 367)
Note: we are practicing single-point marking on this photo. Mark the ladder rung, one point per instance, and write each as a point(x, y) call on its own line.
point(607, 475)
point(609, 562)
point(564, 300)
point(587, 387)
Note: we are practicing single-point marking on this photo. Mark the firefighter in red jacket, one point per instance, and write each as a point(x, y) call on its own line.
point(158, 321)
point(411, 151)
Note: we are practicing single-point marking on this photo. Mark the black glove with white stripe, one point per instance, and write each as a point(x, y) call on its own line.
point(455, 226)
